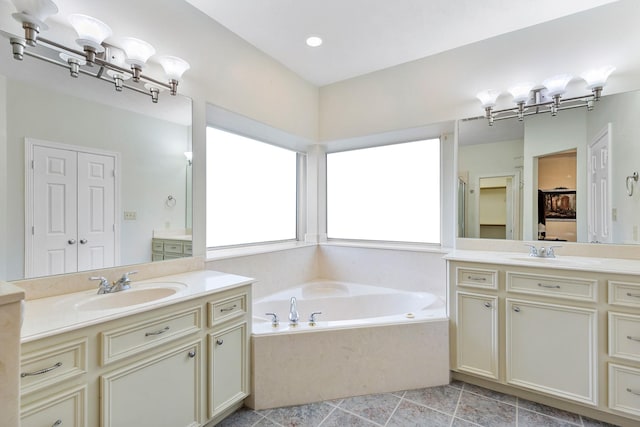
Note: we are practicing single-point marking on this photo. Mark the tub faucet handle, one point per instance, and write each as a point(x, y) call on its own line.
point(294, 316)
point(274, 320)
point(312, 318)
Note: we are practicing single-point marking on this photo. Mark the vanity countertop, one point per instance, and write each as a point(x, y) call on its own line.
point(580, 263)
point(52, 315)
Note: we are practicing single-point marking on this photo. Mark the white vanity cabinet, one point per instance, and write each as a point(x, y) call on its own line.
point(181, 365)
point(565, 337)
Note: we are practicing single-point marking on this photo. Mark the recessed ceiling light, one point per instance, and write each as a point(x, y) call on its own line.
point(314, 41)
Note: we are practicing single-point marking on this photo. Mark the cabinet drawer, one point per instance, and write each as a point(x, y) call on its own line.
point(157, 246)
point(43, 368)
point(624, 336)
point(66, 409)
point(623, 293)
point(173, 247)
point(555, 286)
point(188, 248)
point(624, 389)
point(125, 341)
point(477, 277)
point(227, 308)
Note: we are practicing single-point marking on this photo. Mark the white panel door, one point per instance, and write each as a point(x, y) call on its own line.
point(96, 211)
point(599, 210)
point(54, 211)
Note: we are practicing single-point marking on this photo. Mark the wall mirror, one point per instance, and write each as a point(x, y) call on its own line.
point(42, 104)
point(564, 178)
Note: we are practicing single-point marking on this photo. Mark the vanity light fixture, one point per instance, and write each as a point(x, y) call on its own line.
point(546, 98)
point(111, 63)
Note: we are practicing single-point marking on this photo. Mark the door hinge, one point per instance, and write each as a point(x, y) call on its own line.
point(32, 164)
point(33, 230)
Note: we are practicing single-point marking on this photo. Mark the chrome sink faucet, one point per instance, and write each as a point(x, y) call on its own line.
point(294, 316)
point(542, 252)
point(121, 284)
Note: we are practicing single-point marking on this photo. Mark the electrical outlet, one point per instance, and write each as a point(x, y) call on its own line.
point(130, 215)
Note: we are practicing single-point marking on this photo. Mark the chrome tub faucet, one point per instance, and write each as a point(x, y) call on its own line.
point(294, 316)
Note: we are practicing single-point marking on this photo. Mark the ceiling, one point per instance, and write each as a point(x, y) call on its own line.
point(362, 36)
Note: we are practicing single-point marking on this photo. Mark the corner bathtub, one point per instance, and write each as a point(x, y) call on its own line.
point(367, 340)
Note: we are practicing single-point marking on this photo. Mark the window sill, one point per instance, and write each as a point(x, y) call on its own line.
point(217, 254)
point(412, 247)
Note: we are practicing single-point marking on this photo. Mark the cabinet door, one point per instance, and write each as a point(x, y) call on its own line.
point(64, 409)
point(477, 334)
point(552, 348)
point(163, 391)
point(229, 368)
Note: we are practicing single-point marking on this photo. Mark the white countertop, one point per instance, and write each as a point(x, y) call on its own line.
point(600, 265)
point(49, 316)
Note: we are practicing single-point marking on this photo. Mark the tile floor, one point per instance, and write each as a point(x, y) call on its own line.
point(455, 405)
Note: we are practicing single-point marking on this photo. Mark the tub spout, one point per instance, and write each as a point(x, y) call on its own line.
point(293, 312)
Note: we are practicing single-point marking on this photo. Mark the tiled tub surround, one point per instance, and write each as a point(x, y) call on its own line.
point(368, 339)
point(560, 331)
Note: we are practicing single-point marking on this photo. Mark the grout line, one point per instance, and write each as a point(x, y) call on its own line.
point(453, 416)
point(359, 416)
point(333, 409)
point(394, 410)
point(517, 410)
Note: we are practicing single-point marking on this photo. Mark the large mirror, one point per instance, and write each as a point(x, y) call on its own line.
point(563, 178)
point(43, 108)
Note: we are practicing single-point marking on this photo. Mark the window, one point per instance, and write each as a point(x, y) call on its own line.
point(388, 193)
point(251, 191)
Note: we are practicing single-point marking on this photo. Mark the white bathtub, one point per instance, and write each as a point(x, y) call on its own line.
point(368, 339)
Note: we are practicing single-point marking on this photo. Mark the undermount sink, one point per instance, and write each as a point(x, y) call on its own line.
point(130, 297)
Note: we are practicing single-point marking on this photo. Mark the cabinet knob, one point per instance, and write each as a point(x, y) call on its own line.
point(219, 341)
point(487, 304)
point(192, 354)
point(83, 241)
point(516, 309)
point(57, 423)
point(71, 241)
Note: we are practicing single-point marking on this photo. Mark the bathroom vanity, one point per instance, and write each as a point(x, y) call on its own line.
point(562, 331)
point(172, 351)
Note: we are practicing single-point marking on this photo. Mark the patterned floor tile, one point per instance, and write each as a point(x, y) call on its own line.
point(243, 417)
point(375, 407)
point(548, 410)
point(457, 422)
point(535, 419)
point(588, 422)
point(485, 392)
point(340, 418)
point(443, 398)
point(410, 414)
point(300, 416)
point(484, 411)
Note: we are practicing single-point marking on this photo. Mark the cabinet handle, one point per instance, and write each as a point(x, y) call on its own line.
point(161, 331)
point(516, 309)
point(41, 371)
point(629, 337)
point(542, 285)
point(629, 294)
point(57, 423)
point(233, 307)
point(487, 304)
point(219, 341)
point(477, 279)
point(637, 393)
point(192, 354)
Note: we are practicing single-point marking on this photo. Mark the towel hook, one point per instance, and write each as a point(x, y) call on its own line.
point(629, 182)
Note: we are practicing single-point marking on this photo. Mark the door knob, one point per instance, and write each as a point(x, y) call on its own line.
point(83, 241)
point(72, 241)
